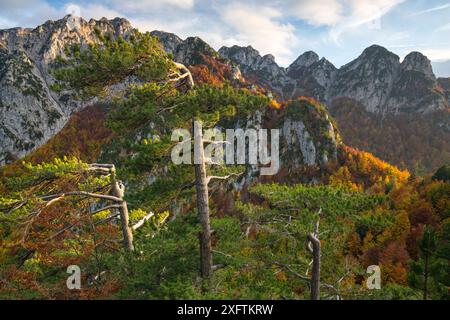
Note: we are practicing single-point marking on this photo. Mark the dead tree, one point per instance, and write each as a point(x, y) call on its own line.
point(201, 186)
point(314, 248)
point(184, 78)
point(116, 196)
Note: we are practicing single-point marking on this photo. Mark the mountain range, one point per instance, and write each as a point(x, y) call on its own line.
point(383, 96)
point(88, 112)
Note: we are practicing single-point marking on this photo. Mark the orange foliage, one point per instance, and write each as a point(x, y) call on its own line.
point(274, 104)
point(394, 263)
point(83, 137)
point(362, 169)
point(405, 140)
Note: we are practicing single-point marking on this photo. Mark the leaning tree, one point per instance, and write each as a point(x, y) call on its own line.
point(163, 97)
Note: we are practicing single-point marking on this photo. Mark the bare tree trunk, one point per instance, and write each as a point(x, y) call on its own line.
point(201, 184)
point(118, 191)
point(315, 250)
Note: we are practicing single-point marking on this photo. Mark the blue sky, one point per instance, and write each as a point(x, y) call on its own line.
point(336, 29)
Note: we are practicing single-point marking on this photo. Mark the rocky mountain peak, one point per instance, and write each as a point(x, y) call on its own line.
point(245, 57)
point(31, 111)
point(188, 51)
point(416, 61)
point(376, 52)
point(263, 69)
point(169, 40)
point(304, 60)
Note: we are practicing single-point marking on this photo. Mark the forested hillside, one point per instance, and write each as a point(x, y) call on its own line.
point(104, 195)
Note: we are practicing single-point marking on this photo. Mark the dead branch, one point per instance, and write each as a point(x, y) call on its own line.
point(208, 179)
point(141, 222)
point(81, 193)
point(288, 268)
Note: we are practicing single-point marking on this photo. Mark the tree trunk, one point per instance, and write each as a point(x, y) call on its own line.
point(315, 250)
point(118, 190)
point(201, 184)
point(126, 229)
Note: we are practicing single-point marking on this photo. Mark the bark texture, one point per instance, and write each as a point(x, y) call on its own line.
point(202, 203)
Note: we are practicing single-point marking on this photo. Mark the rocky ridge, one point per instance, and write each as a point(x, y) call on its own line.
point(376, 79)
point(30, 112)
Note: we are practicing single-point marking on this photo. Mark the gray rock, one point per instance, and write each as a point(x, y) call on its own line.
point(30, 112)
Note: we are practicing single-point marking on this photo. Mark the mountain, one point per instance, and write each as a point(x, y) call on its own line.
point(30, 111)
point(312, 76)
point(397, 110)
point(376, 79)
point(261, 70)
point(103, 195)
point(375, 90)
point(204, 62)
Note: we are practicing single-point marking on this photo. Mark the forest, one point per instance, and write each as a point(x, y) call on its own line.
point(104, 195)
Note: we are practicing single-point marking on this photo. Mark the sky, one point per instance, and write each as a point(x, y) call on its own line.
point(338, 30)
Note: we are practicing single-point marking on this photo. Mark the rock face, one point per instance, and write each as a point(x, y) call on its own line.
point(368, 79)
point(187, 51)
point(444, 84)
point(415, 87)
point(195, 52)
point(308, 138)
point(376, 79)
point(312, 77)
point(262, 70)
point(30, 112)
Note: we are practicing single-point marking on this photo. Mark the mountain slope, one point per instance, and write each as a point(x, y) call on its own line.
point(400, 100)
point(377, 85)
point(30, 111)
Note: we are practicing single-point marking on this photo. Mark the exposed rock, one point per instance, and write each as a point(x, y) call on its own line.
point(297, 136)
point(262, 70)
point(30, 112)
point(415, 87)
point(376, 79)
point(444, 84)
point(304, 61)
point(189, 51)
point(312, 76)
point(368, 79)
point(415, 61)
point(193, 51)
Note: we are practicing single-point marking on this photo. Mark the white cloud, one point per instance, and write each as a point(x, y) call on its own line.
point(362, 14)
point(89, 11)
point(439, 54)
point(325, 12)
point(364, 11)
point(148, 5)
point(259, 27)
point(26, 13)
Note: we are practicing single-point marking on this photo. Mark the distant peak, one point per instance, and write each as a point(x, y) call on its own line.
point(269, 57)
point(414, 56)
point(376, 51)
point(235, 49)
point(375, 48)
point(306, 59)
point(416, 61)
